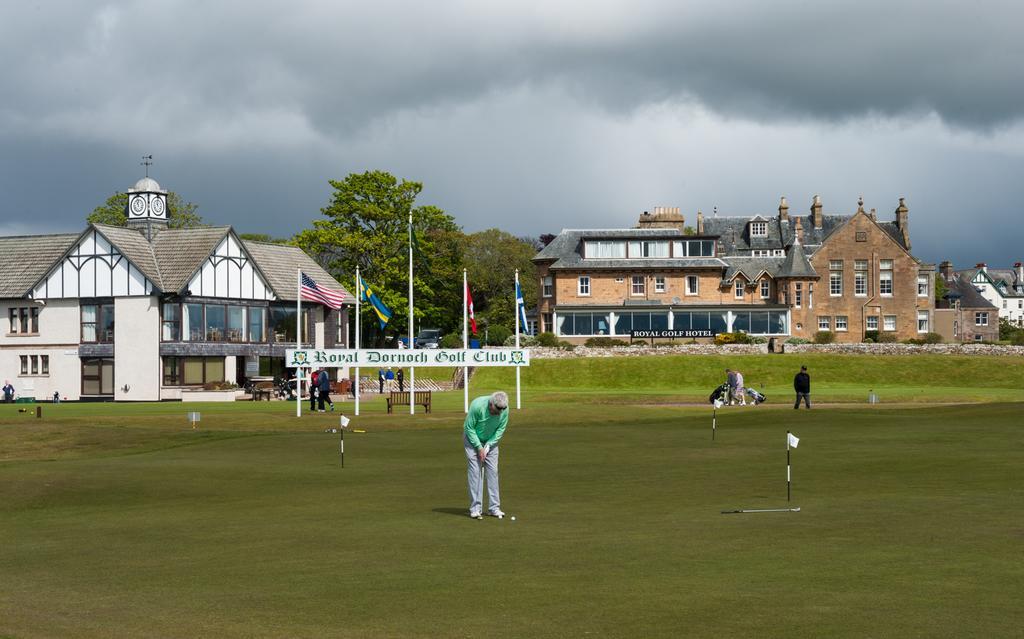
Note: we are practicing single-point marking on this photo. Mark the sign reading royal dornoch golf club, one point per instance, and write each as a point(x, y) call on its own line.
point(312, 358)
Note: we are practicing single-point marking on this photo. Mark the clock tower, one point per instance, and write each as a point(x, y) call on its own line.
point(147, 207)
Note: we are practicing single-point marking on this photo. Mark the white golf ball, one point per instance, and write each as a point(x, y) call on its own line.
point(513, 517)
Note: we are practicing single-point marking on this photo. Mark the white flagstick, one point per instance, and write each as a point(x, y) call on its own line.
point(412, 345)
point(465, 341)
point(517, 338)
point(298, 340)
point(795, 441)
point(359, 296)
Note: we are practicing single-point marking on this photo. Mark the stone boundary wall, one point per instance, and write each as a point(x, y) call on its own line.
point(753, 349)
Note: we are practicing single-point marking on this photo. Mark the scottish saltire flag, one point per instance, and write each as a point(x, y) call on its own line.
point(469, 309)
point(522, 308)
point(366, 294)
point(310, 290)
point(792, 440)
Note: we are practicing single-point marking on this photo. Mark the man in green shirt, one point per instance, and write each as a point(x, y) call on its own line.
point(484, 426)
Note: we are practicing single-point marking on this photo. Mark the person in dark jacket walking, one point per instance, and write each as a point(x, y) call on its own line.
point(802, 386)
point(400, 376)
point(323, 384)
point(314, 389)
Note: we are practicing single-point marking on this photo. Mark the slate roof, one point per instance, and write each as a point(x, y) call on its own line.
point(751, 267)
point(1014, 288)
point(969, 296)
point(796, 263)
point(169, 262)
point(734, 232)
point(566, 250)
point(25, 259)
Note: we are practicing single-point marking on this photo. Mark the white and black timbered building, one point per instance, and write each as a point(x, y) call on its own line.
point(143, 311)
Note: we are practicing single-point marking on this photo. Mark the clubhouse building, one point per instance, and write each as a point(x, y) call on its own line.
point(768, 275)
point(143, 312)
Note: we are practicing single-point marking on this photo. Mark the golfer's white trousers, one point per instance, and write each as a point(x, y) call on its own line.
point(476, 482)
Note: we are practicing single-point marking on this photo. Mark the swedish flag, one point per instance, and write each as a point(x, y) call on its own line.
point(366, 294)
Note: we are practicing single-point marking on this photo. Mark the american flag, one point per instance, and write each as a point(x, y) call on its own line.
point(312, 292)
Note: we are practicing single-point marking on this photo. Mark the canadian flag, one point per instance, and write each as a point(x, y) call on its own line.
point(469, 309)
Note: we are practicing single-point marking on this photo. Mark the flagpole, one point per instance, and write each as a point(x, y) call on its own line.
point(298, 340)
point(518, 397)
point(788, 474)
point(412, 344)
point(359, 296)
point(465, 341)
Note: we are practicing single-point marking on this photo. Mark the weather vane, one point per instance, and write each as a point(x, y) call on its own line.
point(147, 161)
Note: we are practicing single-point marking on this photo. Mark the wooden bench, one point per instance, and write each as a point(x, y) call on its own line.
point(401, 398)
point(262, 390)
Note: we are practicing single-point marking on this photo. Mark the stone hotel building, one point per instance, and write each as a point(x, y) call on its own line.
point(776, 275)
point(144, 312)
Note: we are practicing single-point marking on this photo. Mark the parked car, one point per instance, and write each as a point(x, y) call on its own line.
point(429, 338)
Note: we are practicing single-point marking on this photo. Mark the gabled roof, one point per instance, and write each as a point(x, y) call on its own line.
point(796, 263)
point(134, 246)
point(25, 259)
point(278, 263)
point(962, 287)
point(180, 253)
point(995, 276)
point(751, 268)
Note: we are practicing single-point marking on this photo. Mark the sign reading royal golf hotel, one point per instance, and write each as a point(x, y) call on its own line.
point(767, 275)
point(144, 311)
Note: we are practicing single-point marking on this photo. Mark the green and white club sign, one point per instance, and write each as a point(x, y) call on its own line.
point(334, 357)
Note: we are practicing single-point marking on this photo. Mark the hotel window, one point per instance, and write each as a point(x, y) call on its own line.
point(824, 323)
point(659, 284)
point(835, 278)
point(549, 322)
point(889, 322)
point(549, 286)
point(885, 278)
point(235, 331)
point(24, 364)
point(171, 323)
point(981, 318)
point(192, 371)
point(841, 323)
point(798, 297)
point(98, 323)
point(860, 278)
point(24, 320)
point(759, 229)
point(256, 323)
point(693, 248)
point(35, 364)
point(766, 289)
point(738, 290)
point(978, 337)
point(922, 321)
point(638, 287)
point(922, 286)
point(583, 286)
point(605, 250)
point(692, 284)
point(872, 322)
point(648, 249)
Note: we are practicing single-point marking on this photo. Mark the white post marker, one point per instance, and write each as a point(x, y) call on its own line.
point(359, 296)
point(298, 340)
point(465, 341)
point(194, 418)
point(794, 441)
point(343, 422)
point(519, 309)
point(412, 345)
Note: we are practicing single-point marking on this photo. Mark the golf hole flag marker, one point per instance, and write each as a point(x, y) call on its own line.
point(794, 441)
point(194, 418)
point(343, 422)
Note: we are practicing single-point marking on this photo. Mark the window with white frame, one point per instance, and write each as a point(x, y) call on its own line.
point(604, 249)
point(692, 282)
point(637, 287)
point(981, 318)
point(738, 288)
point(693, 248)
point(798, 297)
point(885, 278)
point(648, 249)
point(824, 323)
point(766, 288)
point(872, 323)
point(835, 278)
point(759, 229)
point(659, 284)
point(549, 286)
point(860, 278)
point(24, 320)
point(35, 365)
point(978, 337)
point(841, 323)
point(889, 322)
point(922, 286)
point(583, 287)
point(922, 321)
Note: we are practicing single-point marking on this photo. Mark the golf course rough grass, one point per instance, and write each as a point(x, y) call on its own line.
point(120, 520)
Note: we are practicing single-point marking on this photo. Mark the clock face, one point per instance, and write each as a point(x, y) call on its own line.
point(157, 205)
point(138, 206)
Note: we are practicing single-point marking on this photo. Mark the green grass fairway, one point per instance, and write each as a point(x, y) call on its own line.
point(120, 521)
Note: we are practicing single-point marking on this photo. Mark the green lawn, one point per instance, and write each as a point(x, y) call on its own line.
point(122, 521)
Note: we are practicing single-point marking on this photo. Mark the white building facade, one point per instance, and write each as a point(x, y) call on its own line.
point(1004, 288)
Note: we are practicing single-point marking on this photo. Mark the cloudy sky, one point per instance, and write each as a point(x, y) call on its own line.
point(527, 115)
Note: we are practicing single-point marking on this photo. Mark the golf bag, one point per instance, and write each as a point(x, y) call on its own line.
point(720, 394)
point(756, 396)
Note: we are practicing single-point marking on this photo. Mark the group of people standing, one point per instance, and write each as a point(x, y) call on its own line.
point(389, 377)
point(320, 390)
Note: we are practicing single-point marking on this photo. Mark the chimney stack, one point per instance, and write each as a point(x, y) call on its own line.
point(664, 217)
point(1020, 274)
point(783, 210)
point(798, 231)
point(873, 215)
point(816, 218)
point(981, 266)
point(700, 223)
point(903, 222)
point(946, 270)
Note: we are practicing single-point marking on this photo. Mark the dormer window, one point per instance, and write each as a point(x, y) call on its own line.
point(604, 250)
point(759, 229)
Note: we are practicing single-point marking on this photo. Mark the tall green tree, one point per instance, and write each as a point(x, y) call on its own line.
point(492, 257)
point(180, 214)
point(366, 225)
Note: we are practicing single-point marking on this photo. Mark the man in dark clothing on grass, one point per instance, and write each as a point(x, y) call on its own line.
point(323, 384)
point(802, 386)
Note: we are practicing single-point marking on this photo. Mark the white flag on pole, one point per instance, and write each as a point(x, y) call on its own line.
point(345, 421)
point(794, 441)
point(719, 403)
